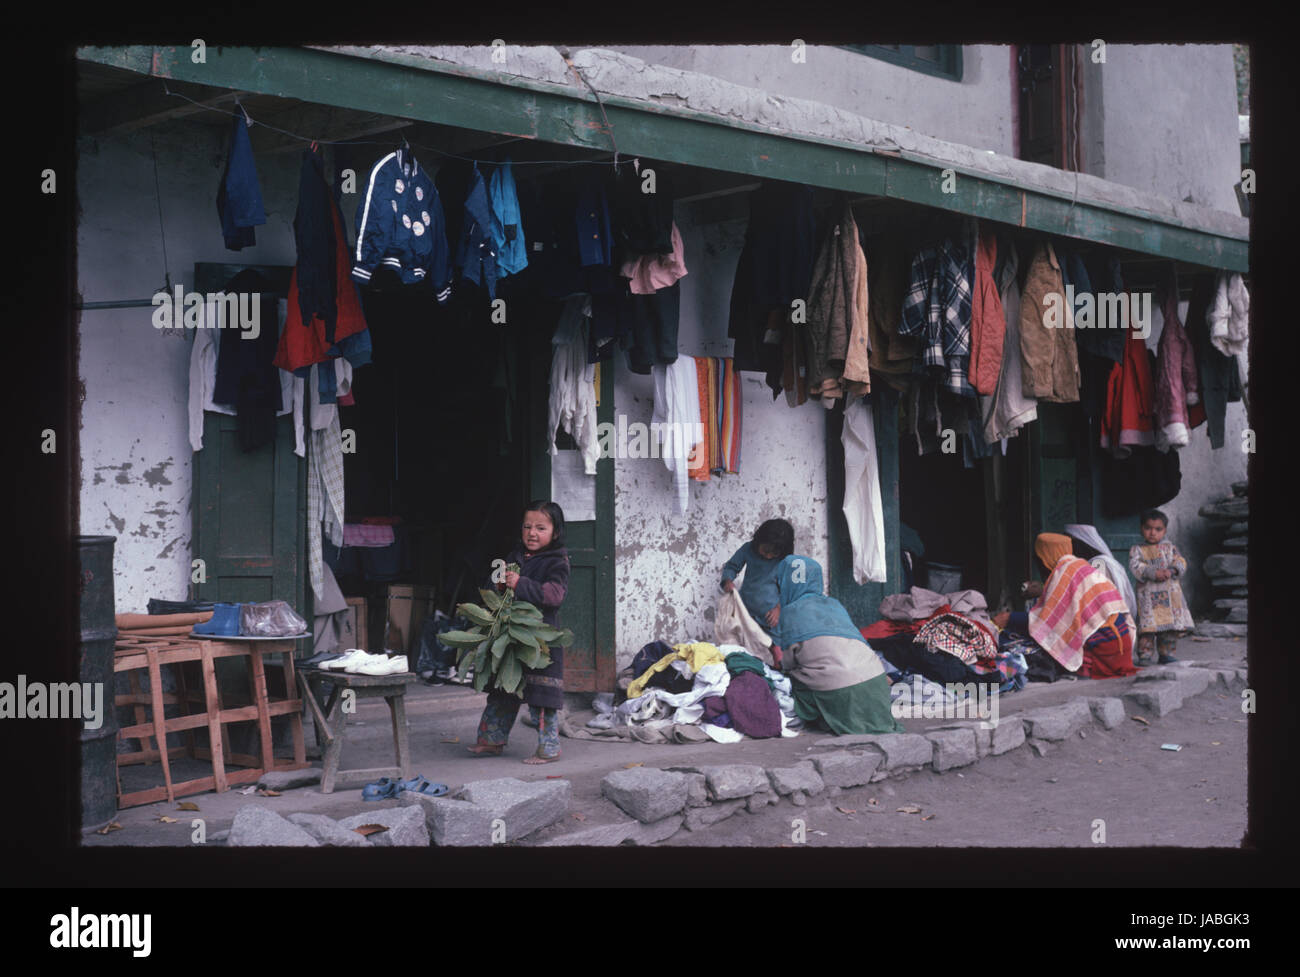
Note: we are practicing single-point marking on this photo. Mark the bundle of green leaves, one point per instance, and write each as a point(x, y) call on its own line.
point(505, 637)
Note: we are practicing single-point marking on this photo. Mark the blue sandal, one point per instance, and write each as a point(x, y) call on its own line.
point(419, 785)
point(381, 790)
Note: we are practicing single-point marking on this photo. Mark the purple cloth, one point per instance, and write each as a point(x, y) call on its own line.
point(715, 712)
point(364, 534)
point(752, 706)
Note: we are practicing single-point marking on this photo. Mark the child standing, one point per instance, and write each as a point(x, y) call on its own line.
point(1162, 613)
point(542, 580)
point(759, 558)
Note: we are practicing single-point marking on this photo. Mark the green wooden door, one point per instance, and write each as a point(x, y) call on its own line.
point(862, 601)
point(249, 507)
point(589, 606)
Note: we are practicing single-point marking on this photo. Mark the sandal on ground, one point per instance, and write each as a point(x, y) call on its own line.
point(419, 785)
point(536, 759)
point(482, 749)
point(381, 790)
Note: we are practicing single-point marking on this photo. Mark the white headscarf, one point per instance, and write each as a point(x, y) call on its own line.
point(1105, 562)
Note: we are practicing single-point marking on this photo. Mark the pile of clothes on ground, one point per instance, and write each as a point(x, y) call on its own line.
point(927, 639)
point(691, 693)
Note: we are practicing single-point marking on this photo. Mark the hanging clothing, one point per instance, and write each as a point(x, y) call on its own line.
point(1220, 381)
point(702, 463)
point(1177, 387)
point(677, 411)
point(733, 624)
point(400, 224)
point(313, 234)
point(643, 221)
point(1130, 401)
point(239, 197)
point(1229, 315)
point(246, 375)
point(507, 229)
point(1009, 408)
point(650, 323)
point(1146, 479)
point(863, 507)
point(889, 352)
point(302, 345)
point(937, 308)
point(837, 312)
point(572, 402)
point(1160, 602)
point(1049, 357)
point(988, 322)
point(325, 498)
point(730, 416)
point(650, 272)
point(595, 242)
point(1076, 602)
point(476, 256)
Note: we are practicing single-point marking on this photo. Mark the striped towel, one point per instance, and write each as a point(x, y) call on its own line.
point(703, 464)
point(720, 413)
point(729, 416)
point(1076, 602)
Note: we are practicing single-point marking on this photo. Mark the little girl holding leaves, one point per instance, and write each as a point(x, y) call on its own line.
point(543, 581)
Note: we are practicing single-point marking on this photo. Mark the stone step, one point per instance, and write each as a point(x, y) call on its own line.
point(1220, 629)
point(1240, 488)
point(1234, 581)
point(1236, 542)
point(1239, 529)
point(1225, 565)
point(1230, 509)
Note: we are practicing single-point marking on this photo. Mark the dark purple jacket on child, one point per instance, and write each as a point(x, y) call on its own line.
point(543, 582)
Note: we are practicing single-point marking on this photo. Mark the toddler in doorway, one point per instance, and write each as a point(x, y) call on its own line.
point(772, 543)
point(1162, 613)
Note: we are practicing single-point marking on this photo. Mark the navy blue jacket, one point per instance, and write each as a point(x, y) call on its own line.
point(400, 225)
point(239, 198)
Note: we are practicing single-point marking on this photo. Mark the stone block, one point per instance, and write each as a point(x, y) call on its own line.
point(406, 827)
point(1057, 722)
point(1157, 698)
point(901, 749)
point(952, 748)
point(697, 790)
point(1007, 735)
point(1229, 581)
point(1107, 710)
point(1225, 565)
point(798, 798)
point(452, 822)
point(983, 740)
point(289, 779)
point(328, 831)
point(1238, 615)
point(735, 780)
point(1194, 681)
point(702, 817)
point(802, 776)
point(760, 799)
point(647, 794)
point(1220, 629)
point(260, 826)
point(623, 833)
point(1157, 673)
point(845, 769)
point(524, 806)
point(855, 739)
point(1229, 510)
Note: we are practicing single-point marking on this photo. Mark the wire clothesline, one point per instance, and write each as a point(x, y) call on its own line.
point(243, 112)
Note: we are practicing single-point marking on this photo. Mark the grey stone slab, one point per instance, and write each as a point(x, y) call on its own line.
point(406, 827)
point(1107, 710)
point(901, 749)
point(1239, 528)
point(734, 780)
point(1220, 629)
point(1059, 721)
point(1157, 698)
point(983, 740)
point(1194, 681)
point(1007, 735)
point(1240, 489)
point(328, 831)
point(646, 793)
point(702, 817)
point(850, 769)
point(855, 739)
point(1157, 673)
point(1230, 510)
point(1243, 677)
point(952, 748)
point(697, 790)
point(1041, 747)
point(289, 779)
point(1230, 581)
point(1236, 543)
point(760, 799)
point(1229, 603)
point(1238, 615)
point(802, 776)
point(1225, 565)
point(256, 826)
point(452, 822)
point(624, 833)
point(798, 798)
point(524, 806)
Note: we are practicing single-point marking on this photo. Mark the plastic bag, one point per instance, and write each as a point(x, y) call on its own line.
point(272, 619)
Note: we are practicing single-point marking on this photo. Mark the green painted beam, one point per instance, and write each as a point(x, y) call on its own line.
point(409, 87)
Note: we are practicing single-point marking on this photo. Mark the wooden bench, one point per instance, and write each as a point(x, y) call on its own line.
point(331, 722)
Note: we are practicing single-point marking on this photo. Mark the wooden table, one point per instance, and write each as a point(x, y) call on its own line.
point(331, 722)
point(134, 654)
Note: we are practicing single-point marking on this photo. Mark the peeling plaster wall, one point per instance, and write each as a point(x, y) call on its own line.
point(667, 567)
point(136, 472)
point(976, 111)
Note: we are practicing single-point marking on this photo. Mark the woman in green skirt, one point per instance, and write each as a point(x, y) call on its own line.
point(838, 681)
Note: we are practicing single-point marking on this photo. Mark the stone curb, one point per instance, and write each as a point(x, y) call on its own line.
point(706, 795)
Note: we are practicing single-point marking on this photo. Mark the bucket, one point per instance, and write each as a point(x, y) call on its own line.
point(943, 578)
point(97, 638)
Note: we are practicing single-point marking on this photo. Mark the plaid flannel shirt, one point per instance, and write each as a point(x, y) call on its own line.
point(937, 307)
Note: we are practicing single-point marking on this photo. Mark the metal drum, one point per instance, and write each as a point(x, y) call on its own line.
point(98, 636)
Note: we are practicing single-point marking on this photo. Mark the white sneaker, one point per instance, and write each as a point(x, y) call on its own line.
point(384, 666)
point(353, 656)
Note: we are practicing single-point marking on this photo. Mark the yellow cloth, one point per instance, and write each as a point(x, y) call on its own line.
point(1050, 547)
point(696, 654)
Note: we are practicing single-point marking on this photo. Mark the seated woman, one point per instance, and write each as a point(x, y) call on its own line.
point(1087, 544)
point(1079, 618)
point(837, 679)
